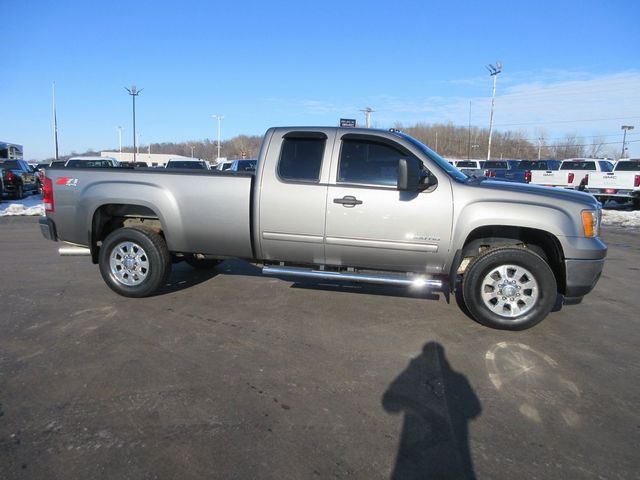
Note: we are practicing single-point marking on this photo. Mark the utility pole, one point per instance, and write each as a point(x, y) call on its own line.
point(134, 92)
point(137, 148)
point(493, 71)
point(219, 118)
point(367, 116)
point(191, 151)
point(55, 121)
point(540, 147)
point(120, 141)
point(625, 129)
point(469, 139)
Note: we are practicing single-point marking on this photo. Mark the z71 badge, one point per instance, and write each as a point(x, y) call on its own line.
point(67, 181)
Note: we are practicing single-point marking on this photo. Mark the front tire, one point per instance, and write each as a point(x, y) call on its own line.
point(134, 262)
point(509, 288)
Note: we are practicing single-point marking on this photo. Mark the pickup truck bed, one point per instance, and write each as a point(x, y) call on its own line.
point(210, 210)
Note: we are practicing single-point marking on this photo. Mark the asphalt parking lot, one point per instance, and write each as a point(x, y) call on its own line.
point(234, 375)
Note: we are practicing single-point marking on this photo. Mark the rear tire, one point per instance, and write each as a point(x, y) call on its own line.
point(19, 195)
point(509, 288)
point(134, 262)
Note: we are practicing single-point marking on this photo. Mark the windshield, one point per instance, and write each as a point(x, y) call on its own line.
point(452, 171)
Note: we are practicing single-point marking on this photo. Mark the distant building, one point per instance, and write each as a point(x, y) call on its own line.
point(152, 159)
point(10, 151)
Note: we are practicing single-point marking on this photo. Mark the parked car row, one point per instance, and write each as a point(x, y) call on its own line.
point(600, 177)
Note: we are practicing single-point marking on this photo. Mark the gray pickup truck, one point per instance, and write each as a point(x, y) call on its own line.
point(342, 204)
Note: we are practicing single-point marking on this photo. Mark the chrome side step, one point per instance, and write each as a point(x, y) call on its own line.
point(73, 251)
point(397, 280)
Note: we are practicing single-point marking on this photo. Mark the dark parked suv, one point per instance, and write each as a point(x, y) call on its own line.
point(17, 178)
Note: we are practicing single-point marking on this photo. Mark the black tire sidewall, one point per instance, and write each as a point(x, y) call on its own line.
point(157, 253)
point(482, 265)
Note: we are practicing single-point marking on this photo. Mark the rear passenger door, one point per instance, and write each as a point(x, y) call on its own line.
point(293, 196)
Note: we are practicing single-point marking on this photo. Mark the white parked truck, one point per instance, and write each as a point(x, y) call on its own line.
point(621, 185)
point(572, 174)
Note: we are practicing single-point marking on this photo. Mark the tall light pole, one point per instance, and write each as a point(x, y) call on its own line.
point(120, 140)
point(625, 128)
point(137, 148)
point(191, 151)
point(55, 120)
point(367, 116)
point(219, 118)
point(493, 71)
point(134, 92)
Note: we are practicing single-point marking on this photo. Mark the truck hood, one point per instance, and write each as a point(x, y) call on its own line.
point(536, 192)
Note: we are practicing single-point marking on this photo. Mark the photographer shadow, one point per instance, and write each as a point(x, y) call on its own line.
point(438, 404)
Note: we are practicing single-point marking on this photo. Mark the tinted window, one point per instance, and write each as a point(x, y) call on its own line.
point(467, 164)
point(245, 165)
point(606, 166)
point(187, 164)
point(88, 163)
point(495, 164)
point(11, 164)
point(578, 165)
point(628, 166)
point(301, 159)
point(369, 162)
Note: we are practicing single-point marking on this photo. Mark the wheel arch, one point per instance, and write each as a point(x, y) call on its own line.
point(109, 217)
point(541, 242)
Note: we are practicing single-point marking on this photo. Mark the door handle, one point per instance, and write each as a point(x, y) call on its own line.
point(348, 201)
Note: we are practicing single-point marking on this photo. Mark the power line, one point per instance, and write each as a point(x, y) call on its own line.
point(566, 121)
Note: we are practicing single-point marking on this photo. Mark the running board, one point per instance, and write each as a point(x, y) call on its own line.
point(72, 251)
point(397, 280)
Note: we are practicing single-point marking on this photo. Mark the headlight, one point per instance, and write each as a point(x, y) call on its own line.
point(591, 222)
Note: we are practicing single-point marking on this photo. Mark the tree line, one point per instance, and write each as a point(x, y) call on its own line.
point(450, 141)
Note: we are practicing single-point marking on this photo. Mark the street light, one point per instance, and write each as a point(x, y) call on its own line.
point(625, 128)
point(134, 92)
point(493, 71)
point(191, 151)
point(367, 116)
point(137, 149)
point(219, 118)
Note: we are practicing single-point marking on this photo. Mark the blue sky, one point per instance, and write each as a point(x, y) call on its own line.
point(569, 67)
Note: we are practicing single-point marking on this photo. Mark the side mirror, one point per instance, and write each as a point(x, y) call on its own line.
point(408, 174)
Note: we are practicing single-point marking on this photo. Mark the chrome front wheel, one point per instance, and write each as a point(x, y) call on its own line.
point(509, 290)
point(510, 287)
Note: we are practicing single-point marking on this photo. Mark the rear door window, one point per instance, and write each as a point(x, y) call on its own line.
point(301, 158)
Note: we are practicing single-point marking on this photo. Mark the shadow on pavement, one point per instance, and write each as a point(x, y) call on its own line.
point(438, 404)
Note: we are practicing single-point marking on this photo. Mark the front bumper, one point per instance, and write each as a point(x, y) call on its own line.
point(48, 229)
point(582, 276)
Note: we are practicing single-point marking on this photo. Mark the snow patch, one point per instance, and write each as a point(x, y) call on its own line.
point(27, 206)
point(621, 219)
